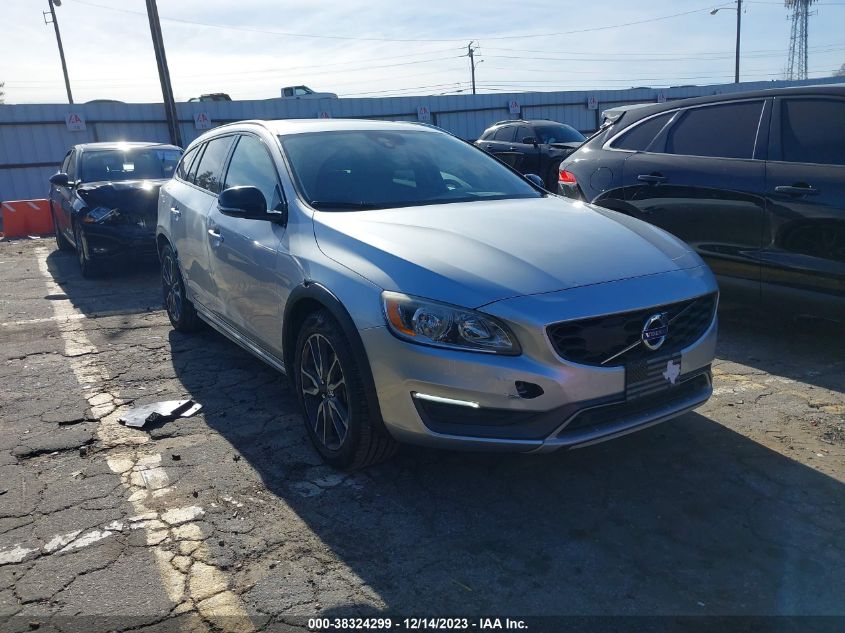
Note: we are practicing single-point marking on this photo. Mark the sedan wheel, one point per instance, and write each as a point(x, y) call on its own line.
point(323, 387)
point(328, 375)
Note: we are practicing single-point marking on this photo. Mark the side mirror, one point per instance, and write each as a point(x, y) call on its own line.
point(529, 140)
point(535, 179)
point(243, 202)
point(59, 179)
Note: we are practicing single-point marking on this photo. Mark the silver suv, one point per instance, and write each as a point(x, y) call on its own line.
point(414, 288)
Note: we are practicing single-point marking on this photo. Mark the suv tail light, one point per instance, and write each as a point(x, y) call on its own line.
point(566, 177)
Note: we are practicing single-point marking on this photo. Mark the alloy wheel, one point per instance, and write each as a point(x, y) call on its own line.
point(324, 391)
point(172, 287)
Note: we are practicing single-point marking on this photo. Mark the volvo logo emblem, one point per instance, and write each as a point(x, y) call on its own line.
point(655, 331)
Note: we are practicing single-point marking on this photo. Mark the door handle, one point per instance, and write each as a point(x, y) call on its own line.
point(216, 235)
point(653, 179)
point(175, 212)
point(797, 190)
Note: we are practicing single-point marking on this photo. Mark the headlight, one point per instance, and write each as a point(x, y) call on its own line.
point(442, 325)
point(100, 215)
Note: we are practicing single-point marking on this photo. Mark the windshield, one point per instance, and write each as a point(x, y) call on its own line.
point(559, 133)
point(145, 163)
point(374, 169)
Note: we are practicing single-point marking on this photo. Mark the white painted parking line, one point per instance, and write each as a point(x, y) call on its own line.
point(78, 315)
point(189, 583)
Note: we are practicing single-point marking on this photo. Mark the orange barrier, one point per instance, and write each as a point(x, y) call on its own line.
point(27, 217)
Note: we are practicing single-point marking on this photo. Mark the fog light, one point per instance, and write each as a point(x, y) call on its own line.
point(442, 400)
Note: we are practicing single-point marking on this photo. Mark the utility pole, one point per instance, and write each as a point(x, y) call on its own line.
point(53, 4)
point(471, 55)
point(738, 31)
point(164, 74)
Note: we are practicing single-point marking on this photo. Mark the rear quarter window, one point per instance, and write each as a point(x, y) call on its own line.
point(641, 134)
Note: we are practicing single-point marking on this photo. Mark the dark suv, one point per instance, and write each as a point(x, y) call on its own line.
point(754, 181)
point(532, 147)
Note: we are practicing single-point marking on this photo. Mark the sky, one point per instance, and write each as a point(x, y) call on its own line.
point(250, 49)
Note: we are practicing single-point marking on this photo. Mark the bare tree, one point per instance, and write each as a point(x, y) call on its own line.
point(840, 72)
point(2, 93)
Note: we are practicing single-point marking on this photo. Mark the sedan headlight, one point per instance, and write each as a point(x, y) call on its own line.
point(443, 325)
point(100, 215)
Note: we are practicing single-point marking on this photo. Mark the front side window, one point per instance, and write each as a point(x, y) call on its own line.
point(372, 169)
point(301, 91)
point(144, 163)
point(71, 165)
point(251, 165)
point(210, 168)
point(721, 131)
point(813, 131)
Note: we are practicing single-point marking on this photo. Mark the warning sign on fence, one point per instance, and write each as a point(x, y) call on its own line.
point(75, 122)
point(202, 121)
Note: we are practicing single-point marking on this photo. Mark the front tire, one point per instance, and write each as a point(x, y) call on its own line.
point(181, 312)
point(331, 395)
point(89, 268)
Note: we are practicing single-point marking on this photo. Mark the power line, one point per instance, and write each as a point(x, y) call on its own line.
point(404, 39)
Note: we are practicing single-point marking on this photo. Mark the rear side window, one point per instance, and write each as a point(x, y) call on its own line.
point(722, 131)
point(504, 133)
point(813, 131)
point(640, 136)
point(209, 171)
point(185, 164)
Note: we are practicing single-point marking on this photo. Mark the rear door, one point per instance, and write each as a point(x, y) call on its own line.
point(250, 264)
point(501, 144)
point(804, 245)
point(191, 203)
point(702, 179)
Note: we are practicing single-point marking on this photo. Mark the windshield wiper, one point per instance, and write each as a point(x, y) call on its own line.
point(322, 204)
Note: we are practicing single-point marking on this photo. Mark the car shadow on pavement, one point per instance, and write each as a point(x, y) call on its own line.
point(806, 350)
point(688, 517)
point(123, 287)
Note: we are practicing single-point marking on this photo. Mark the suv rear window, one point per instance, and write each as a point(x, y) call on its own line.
point(720, 131)
point(208, 172)
point(504, 133)
point(640, 136)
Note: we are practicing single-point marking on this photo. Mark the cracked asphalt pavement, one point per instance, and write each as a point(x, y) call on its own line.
point(227, 519)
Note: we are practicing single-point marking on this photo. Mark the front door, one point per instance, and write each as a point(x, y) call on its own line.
point(700, 181)
point(250, 260)
point(804, 246)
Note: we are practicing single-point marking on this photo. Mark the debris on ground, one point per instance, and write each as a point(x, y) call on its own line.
point(159, 412)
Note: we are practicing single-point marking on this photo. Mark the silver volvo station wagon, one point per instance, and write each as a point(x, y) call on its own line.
point(415, 289)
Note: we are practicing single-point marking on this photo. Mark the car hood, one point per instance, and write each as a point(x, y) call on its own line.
point(474, 253)
point(136, 200)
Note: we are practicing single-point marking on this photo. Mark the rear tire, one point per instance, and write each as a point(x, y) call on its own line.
point(181, 312)
point(331, 394)
point(62, 242)
point(89, 268)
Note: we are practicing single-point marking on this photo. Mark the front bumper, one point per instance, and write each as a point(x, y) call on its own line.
point(532, 402)
point(104, 242)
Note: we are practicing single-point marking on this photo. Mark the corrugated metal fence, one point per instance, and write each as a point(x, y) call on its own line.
point(35, 138)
